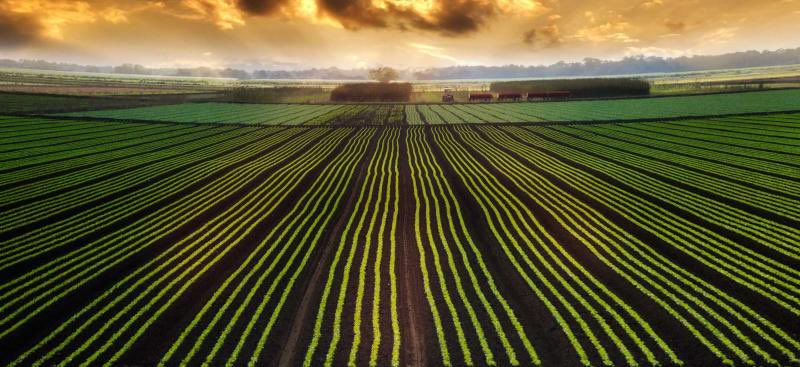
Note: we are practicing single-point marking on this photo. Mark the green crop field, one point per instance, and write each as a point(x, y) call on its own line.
point(15, 103)
point(212, 237)
point(221, 113)
point(27, 103)
point(476, 113)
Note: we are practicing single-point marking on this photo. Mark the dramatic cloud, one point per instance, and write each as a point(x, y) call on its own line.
point(260, 7)
point(448, 17)
point(368, 32)
point(547, 36)
point(25, 22)
point(46, 18)
point(17, 30)
point(222, 12)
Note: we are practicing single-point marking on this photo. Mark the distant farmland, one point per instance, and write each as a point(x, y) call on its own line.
point(436, 114)
point(456, 235)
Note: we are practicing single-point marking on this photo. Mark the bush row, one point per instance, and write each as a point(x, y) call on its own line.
point(372, 92)
point(579, 88)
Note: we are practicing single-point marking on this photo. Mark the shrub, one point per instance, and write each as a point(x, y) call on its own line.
point(579, 88)
point(372, 92)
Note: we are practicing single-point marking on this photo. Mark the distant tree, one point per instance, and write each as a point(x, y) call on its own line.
point(183, 72)
point(205, 72)
point(280, 74)
point(383, 74)
point(131, 69)
point(234, 73)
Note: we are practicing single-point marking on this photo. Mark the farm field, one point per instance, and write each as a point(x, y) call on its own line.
point(20, 103)
point(51, 78)
point(87, 90)
point(26, 103)
point(233, 234)
point(425, 91)
point(221, 113)
point(475, 113)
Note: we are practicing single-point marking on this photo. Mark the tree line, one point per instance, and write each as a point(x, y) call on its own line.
point(586, 67)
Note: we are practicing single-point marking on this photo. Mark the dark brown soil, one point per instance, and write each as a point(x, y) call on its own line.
point(302, 325)
point(293, 329)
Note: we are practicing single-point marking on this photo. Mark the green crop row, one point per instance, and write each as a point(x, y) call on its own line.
point(413, 115)
point(289, 238)
point(185, 170)
point(208, 235)
point(368, 220)
point(436, 202)
point(633, 244)
point(535, 152)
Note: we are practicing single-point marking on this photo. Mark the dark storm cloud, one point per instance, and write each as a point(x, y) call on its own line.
point(448, 17)
point(354, 14)
point(462, 16)
point(476, 26)
point(17, 30)
point(547, 36)
point(260, 7)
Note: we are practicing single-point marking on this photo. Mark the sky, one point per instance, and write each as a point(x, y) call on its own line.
point(299, 34)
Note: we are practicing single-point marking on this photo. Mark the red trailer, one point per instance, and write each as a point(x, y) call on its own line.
point(480, 97)
point(509, 96)
point(447, 96)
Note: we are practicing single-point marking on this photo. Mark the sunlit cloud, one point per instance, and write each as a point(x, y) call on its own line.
point(49, 18)
point(720, 35)
point(115, 15)
point(445, 32)
point(52, 15)
point(652, 3)
point(436, 52)
point(656, 51)
point(522, 8)
point(224, 13)
point(604, 33)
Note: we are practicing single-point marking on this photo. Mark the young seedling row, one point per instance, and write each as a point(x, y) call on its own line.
point(627, 244)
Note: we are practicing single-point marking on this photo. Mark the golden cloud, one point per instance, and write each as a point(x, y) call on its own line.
point(544, 37)
point(539, 23)
point(224, 13)
point(36, 20)
point(50, 16)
